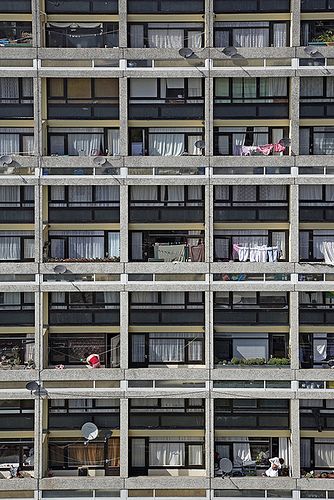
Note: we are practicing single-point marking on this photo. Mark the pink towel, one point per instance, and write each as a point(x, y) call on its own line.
point(266, 149)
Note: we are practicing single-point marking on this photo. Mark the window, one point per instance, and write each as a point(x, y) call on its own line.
point(252, 34)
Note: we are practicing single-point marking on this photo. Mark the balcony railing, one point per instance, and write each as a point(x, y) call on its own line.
point(176, 109)
point(84, 316)
point(82, 7)
point(316, 212)
point(235, 110)
point(77, 417)
point(16, 111)
point(84, 111)
point(264, 316)
point(23, 214)
point(166, 6)
point(251, 211)
point(173, 419)
point(15, 7)
point(16, 352)
point(171, 315)
point(83, 214)
point(71, 350)
point(17, 315)
point(67, 455)
point(226, 6)
point(168, 213)
point(316, 109)
point(317, 5)
point(316, 315)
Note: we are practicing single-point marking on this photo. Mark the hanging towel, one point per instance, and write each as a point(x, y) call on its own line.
point(327, 249)
point(266, 149)
point(278, 148)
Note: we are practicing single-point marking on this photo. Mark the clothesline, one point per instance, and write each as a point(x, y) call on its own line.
point(256, 253)
point(265, 149)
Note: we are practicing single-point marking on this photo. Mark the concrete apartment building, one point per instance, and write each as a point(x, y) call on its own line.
point(166, 195)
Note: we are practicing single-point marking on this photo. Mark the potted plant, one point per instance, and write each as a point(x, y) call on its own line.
point(326, 38)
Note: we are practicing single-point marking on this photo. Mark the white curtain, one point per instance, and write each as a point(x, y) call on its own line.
point(195, 39)
point(274, 87)
point(165, 38)
point(86, 245)
point(10, 247)
point(83, 144)
point(324, 453)
point(280, 35)
point(172, 298)
point(167, 454)
point(166, 350)
point(283, 449)
point(113, 142)
point(144, 298)
point(307, 193)
point(137, 246)
point(273, 193)
point(138, 348)
point(9, 90)
point(305, 453)
point(323, 142)
point(250, 34)
point(107, 195)
point(175, 194)
point(10, 196)
point(311, 86)
point(145, 194)
point(113, 244)
point(166, 142)
point(137, 36)
point(78, 195)
point(9, 143)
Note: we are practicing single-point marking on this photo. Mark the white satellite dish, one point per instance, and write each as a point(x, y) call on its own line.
point(32, 386)
point(311, 51)
point(99, 161)
point(225, 466)
point(186, 52)
point(60, 269)
point(6, 160)
point(200, 144)
point(89, 431)
point(230, 51)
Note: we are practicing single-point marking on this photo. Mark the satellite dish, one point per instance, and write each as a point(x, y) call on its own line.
point(230, 51)
point(311, 51)
point(60, 269)
point(108, 435)
point(89, 431)
point(6, 160)
point(186, 52)
point(285, 142)
point(99, 161)
point(200, 144)
point(41, 392)
point(225, 466)
point(32, 386)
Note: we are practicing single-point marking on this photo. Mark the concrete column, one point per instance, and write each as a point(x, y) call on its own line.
point(209, 20)
point(294, 331)
point(209, 437)
point(295, 438)
point(294, 115)
point(122, 10)
point(38, 224)
point(208, 117)
point(123, 115)
point(295, 23)
point(294, 224)
point(124, 441)
point(124, 331)
point(124, 223)
point(208, 331)
point(38, 330)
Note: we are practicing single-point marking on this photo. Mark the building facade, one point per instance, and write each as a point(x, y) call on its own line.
point(166, 195)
